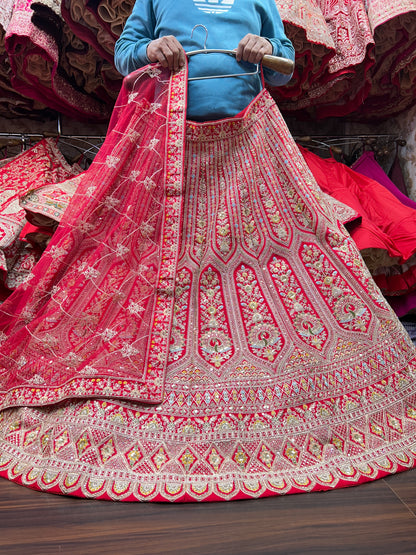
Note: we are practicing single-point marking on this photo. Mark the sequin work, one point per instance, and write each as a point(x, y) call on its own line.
point(271, 362)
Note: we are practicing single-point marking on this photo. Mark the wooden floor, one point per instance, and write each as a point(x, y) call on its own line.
point(375, 518)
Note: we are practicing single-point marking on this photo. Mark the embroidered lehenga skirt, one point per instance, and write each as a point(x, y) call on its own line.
point(201, 326)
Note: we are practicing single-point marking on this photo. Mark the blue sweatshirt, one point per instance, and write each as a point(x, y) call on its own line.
point(227, 22)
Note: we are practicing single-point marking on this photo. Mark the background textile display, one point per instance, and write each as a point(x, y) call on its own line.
point(343, 79)
point(353, 58)
point(406, 126)
point(393, 75)
point(50, 64)
point(28, 172)
point(12, 103)
point(386, 232)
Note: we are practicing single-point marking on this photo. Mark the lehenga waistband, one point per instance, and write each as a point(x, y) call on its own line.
point(236, 125)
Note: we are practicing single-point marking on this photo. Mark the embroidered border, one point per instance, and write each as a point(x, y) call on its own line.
point(158, 345)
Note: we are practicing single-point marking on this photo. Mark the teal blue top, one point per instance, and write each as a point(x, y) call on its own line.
point(227, 22)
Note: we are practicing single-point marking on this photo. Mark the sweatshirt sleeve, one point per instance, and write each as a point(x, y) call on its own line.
point(130, 48)
point(273, 30)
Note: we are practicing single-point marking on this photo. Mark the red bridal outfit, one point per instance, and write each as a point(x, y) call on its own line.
point(200, 326)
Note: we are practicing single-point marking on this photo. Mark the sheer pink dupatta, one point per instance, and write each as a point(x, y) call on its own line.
point(94, 318)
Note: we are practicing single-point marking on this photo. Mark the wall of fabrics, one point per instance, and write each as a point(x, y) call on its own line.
point(354, 58)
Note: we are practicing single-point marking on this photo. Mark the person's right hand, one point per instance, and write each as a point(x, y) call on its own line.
point(168, 51)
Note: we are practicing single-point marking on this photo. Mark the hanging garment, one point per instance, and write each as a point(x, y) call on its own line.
point(396, 175)
point(386, 235)
point(368, 165)
point(346, 81)
point(12, 104)
point(403, 305)
point(200, 326)
point(47, 203)
point(30, 170)
point(397, 280)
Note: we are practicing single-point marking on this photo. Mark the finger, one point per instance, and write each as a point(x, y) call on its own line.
point(169, 54)
point(173, 52)
point(256, 55)
point(249, 47)
point(253, 48)
point(155, 52)
point(249, 51)
point(168, 51)
point(239, 52)
point(182, 57)
point(240, 48)
point(163, 55)
point(179, 54)
point(176, 50)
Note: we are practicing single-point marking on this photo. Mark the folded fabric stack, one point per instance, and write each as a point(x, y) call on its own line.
point(352, 58)
point(12, 103)
point(111, 14)
point(345, 81)
point(25, 177)
point(341, 79)
point(314, 46)
point(46, 65)
point(393, 76)
point(84, 24)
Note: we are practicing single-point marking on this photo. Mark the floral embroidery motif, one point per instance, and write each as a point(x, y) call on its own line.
point(215, 341)
point(264, 338)
point(197, 237)
point(306, 321)
point(279, 227)
point(181, 315)
point(347, 307)
point(250, 231)
point(347, 251)
point(223, 236)
point(112, 161)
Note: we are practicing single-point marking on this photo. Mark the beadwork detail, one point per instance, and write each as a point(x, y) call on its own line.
point(243, 349)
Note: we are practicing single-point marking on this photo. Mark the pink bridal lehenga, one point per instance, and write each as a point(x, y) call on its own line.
point(201, 326)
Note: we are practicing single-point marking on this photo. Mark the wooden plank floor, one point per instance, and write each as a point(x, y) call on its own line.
point(377, 518)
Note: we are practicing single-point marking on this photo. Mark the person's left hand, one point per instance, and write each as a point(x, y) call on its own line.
point(252, 48)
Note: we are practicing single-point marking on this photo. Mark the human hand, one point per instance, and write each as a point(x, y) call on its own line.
point(168, 51)
point(252, 48)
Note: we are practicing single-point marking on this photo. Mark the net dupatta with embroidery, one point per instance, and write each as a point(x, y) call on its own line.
point(83, 322)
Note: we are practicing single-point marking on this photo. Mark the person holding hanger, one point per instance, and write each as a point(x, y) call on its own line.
point(162, 31)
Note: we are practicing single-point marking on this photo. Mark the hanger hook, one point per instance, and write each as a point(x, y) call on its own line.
point(206, 33)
